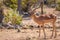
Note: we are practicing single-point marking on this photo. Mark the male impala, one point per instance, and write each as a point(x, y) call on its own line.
point(41, 20)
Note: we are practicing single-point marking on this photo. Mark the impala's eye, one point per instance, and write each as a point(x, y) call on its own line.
point(37, 14)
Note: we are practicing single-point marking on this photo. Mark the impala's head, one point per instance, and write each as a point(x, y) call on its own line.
point(35, 14)
point(32, 13)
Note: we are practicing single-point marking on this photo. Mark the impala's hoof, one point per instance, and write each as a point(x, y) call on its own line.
point(54, 36)
point(39, 38)
point(51, 37)
point(44, 37)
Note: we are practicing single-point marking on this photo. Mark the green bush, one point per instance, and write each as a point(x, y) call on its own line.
point(16, 18)
point(58, 6)
point(13, 17)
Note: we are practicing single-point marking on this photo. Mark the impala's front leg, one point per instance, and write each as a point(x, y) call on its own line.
point(55, 31)
point(44, 32)
point(39, 30)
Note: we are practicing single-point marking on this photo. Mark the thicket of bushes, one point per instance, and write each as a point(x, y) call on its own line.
point(13, 17)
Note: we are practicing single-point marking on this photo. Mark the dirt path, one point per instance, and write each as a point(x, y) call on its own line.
point(25, 34)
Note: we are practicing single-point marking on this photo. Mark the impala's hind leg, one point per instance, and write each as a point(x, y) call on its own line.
point(52, 33)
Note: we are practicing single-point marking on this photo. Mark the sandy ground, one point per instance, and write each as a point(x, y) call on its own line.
point(26, 34)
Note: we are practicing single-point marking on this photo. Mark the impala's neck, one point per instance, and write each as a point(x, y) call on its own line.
point(32, 14)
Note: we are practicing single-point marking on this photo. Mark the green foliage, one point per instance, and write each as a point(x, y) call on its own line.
point(50, 1)
point(58, 1)
point(13, 17)
point(13, 3)
point(16, 18)
point(26, 2)
point(58, 6)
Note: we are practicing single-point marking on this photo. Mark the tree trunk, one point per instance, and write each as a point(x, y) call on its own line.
point(55, 3)
point(19, 9)
point(42, 7)
point(1, 15)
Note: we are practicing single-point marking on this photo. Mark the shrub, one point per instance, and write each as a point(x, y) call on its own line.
point(13, 17)
point(58, 6)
